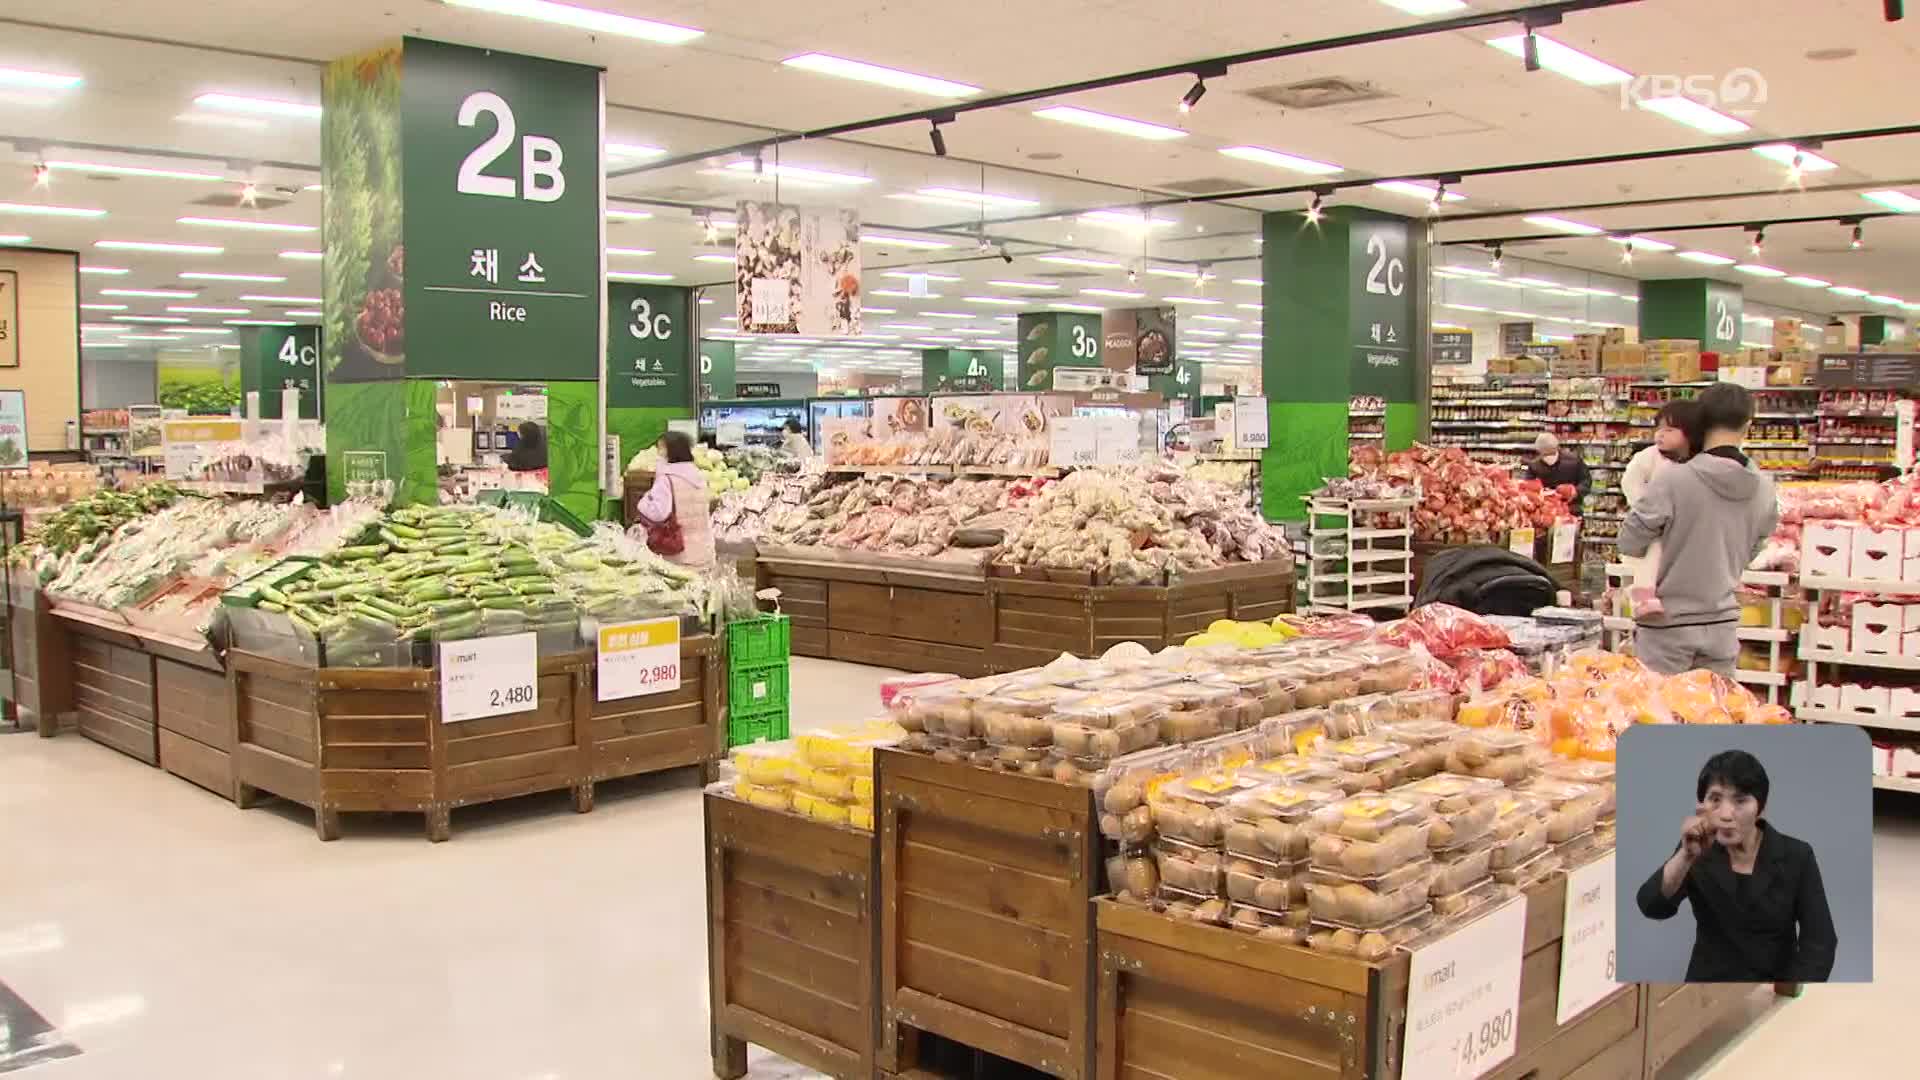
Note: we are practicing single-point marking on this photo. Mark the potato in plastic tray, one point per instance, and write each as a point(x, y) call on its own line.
point(1194, 809)
point(1574, 808)
point(1464, 807)
point(1324, 681)
point(768, 763)
point(1357, 907)
point(1468, 899)
point(1110, 709)
point(1289, 926)
point(1385, 669)
point(1528, 872)
point(1275, 885)
point(1456, 869)
point(1365, 835)
point(1120, 789)
point(1519, 830)
point(1425, 705)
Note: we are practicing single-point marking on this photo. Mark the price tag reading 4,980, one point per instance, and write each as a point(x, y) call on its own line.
point(488, 677)
point(638, 658)
point(1463, 995)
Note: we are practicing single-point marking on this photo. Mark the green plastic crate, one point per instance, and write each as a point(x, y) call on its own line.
point(757, 688)
point(760, 727)
point(764, 640)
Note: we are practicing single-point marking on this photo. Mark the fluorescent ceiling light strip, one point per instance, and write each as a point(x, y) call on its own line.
point(243, 123)
point(868, 311)
point(1536, 283)
point(158, 294)
point(1036, 286)
point(1063, 306)
point(151, 337)
point(840, 67)
point(1293, 162)
point(248, 224)
point(114, 270)
point(1760, 271)
point(185, 309)
point(1562, 60)
point(150, 318)
point(103, 307)
point(1202, 332)
point(1075, 260)
point(266, 299)
point(1189, 300)
point(903, 241)
point(1707, 258)
point(108, 168)
point(305, 313)
point(795, 172)
point(946, 315)
point(903, 294)
point(208, 275)
point(1880, 299)
point(614, 214)
point(635, 275)
point(1894, 200)
point(103, 328)
point(634, 150)
point(1423, 192)
point(1118, 294)
point(38, 80)
point(1784, 154)
point(240, 103)
point(1172, 272)
point(1218, 318)
point(919, 273)
point(49, 210)
point(1249, 281)
point(1427, 7)
point(302, 256)
point(964, 197)
point(1007, 301)
point(1846, 290)
point(1693, 114)
point(203, 330)
point(1248, 307)
point(1117, 125)
point(713, 257)
point(633, 252)
point(581, 18)
point(1808, 282)
point(1557, 224)
point(1123, 220)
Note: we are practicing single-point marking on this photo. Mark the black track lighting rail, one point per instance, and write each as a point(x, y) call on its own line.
point(1750, 225)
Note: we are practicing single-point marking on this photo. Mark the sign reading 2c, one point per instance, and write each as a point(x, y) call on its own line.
point(1388, 276)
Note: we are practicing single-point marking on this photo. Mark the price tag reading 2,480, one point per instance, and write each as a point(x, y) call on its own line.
point(488, 677)
point(638, 658)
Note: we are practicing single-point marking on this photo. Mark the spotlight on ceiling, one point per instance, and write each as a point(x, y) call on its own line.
point(1495, 264)
point(1314, 207)
point(1005, 256)
point(1859, 237)
point(939, 141)
point(1759, 245)
point(1193, 95)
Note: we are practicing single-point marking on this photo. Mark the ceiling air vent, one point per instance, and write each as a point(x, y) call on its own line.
point(1208, 185)
point(1318, 93)
point(230, 200)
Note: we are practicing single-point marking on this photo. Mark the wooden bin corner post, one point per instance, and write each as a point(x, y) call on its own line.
point(790, 928)
point(985, 913)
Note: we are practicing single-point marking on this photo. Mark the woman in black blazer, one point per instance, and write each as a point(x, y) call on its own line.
point(1759, 908)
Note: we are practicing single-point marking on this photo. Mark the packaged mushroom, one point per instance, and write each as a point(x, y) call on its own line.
point(1268, 684)
point(1019, 717)
point(1462, 866)
point(1120, 789)
point(1189, 868)
point(1367, 835)
point(1324, 681)
point(1464, 807)
point(1194, 809)
point(1367, 763)
point(1110, 708)
point(1434, 705)
point(1496, 753)
point(1519, 830)
point(1430, 741)
point(1574, 808)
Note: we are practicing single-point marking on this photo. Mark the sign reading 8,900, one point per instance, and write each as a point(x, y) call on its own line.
point(501, 183)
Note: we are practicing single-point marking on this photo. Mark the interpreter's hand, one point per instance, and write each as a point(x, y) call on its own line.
point(1695, 836)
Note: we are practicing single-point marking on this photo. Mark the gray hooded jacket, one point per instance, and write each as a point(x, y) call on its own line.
point(1712, 514)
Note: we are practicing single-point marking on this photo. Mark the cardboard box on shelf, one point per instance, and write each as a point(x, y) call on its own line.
point(1614, 335)
point(1788, 373)
point(1574, 361)
point(1751, 376)
point(1785, 325)
point(1623, 359)
point(1666, 345)
point(1500, 365)
point(1681, 366)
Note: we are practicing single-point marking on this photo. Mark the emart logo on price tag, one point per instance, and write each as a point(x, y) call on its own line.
point(637, 658)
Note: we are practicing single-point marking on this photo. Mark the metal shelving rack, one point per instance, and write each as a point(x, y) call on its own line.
point(1816, 657)
point(1617, 628)
point(1352, 578)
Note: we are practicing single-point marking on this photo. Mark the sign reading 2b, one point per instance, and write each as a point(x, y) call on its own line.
point(540, 177)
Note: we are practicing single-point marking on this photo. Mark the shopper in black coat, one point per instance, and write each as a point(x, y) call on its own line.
point(1554, 466)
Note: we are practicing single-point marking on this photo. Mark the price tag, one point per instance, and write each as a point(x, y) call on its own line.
point(1587, 971)
point(772, 302)
point(1118, 440)
point(730, 433)
point(1072, 441)
point(489, 676)
point(1463, 998)
point(1520, 542)
point(1564, 534)
point(639, 658)
point(1249, 423)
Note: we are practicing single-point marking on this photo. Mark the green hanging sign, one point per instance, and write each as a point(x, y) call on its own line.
point(1380, 307)
point(649, 346)
point(275, 357)
point(1051, 339)
point(969, 371)
point(1182, 384)
point(716, 369)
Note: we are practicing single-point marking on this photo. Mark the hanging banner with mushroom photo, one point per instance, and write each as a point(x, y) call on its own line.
point(797, 271)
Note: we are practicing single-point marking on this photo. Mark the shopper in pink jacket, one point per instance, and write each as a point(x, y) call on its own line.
point(680, 490)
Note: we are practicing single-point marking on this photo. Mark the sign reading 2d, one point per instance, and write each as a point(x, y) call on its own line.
point(502, 183)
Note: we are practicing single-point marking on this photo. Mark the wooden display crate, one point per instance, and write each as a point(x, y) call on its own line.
point(196, 722)
point(1035, 621)
point(790, 936)
point(113, 691)
point(1177, 998)
point(371, 739)
point(891, 616)
point(985, 914)
point(42, 658)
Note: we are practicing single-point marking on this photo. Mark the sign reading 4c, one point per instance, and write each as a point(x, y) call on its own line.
point(540, 177)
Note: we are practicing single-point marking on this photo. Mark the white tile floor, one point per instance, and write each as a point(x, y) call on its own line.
point(175, 938)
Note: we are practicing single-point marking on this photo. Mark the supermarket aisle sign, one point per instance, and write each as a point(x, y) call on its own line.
point(649, 346)
point(1463, 998)
point(637, 658)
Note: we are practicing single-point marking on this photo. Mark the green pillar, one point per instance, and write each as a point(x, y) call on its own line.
point(1051, 339)
point(1700, 309)
point(275, 357)
point(1338, 319)
point(463, 234)
point(961, 371)
point(1880, 329)
point(716, 369)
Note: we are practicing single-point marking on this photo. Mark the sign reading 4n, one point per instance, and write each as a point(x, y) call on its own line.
point(502, 186)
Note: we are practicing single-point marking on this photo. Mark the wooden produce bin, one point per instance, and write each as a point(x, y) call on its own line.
point(1035, 621)
point(790, 933)
point(1176, 998)
point(42, 657)
point(196, 721)
point(985, 914)
point(371, 739)
point(630, 736)
point(916, 618)
point(114, 688)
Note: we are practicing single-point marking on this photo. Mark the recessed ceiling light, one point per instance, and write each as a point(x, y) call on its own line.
point(1547, 221)
point(184, 309)
point(637, 253)
point(637, 151)
point(1641, 243)
point(1562, 60)
point(916, 273)
point(157, 294)
point(103, 307)
point(114, 270)
point(752, 170)
point(249, 224)
point(1808, 282)
point(1846, 290)
point(240, 103)
point(1075, 260)
point(38, 80)
point(1190, 300)
point(268, 299)
point(1423, 192)
point(1760, 271)
point(1706, 257)
point(972, 199)
point(48, 210)
point(1118, 125)
point(1785, 153)
point(628, 215)
point(207, 275)
point(150, 318)
point(1894, 200)
point(302, 256)
point(883, 76)
point(107, 168)
point(580, 18)
point(1118, 294)
point(1283, 161)
point(903, 241)
point(1693, 114)
point(1036, 286)
point(1121, 219)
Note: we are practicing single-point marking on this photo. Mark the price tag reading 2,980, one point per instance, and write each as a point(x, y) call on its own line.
point(638, 658)
point(489, 676)
point(1463, 998)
